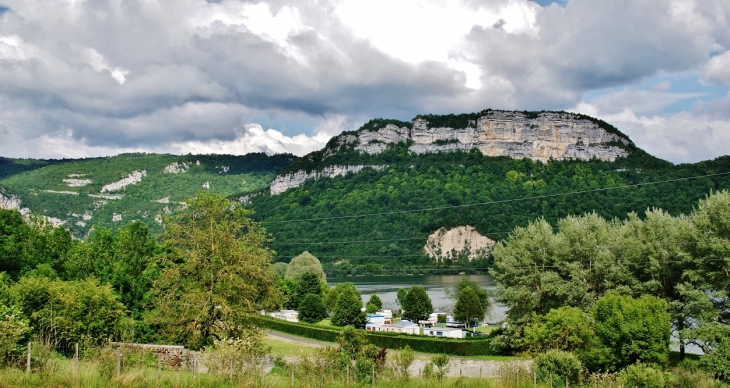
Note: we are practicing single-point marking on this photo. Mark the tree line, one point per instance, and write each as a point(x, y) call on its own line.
point(612, 291)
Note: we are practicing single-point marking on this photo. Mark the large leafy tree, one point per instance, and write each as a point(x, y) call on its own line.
point(632, 330)
point(348, 309)
point(469, 307)
point(312, 309)
point(417, 305)
point(302, 264)
point(482, 295)
point(220, 273)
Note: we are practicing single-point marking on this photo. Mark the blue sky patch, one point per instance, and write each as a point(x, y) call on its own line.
point(545, 3)
point(678, 83)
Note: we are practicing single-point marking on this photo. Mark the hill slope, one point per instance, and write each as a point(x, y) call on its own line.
point(368, 201)
point(114, 190)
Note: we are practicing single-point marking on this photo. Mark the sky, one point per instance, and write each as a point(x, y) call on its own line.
point(83, 78)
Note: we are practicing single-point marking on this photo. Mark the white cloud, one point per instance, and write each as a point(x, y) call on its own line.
point(684, 137)
point(100, 64)
point(718, 69)
point(99, 76)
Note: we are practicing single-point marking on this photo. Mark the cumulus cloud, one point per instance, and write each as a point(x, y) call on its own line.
point(195, 75)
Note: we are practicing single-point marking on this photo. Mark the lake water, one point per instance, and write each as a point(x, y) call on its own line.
point(386, 287)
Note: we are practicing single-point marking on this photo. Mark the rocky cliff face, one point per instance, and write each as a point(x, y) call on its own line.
point(282, 183)
point(462, 241)
point(544, 136)
point(555, 136)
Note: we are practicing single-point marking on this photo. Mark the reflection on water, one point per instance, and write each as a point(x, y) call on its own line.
point(386, 288)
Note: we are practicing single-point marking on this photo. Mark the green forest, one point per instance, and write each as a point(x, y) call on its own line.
point(377, 222)
point(40, 185)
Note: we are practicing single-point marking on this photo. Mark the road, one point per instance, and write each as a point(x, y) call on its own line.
point(458, 366)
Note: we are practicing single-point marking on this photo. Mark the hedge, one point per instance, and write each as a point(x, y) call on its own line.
point(458, 347)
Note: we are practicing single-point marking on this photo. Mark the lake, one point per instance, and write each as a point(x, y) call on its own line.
point(386, 288)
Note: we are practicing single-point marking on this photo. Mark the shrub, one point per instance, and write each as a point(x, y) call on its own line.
point(641, 376)
point(441, 362)
point(236, 355)
point(13, 329)
point(556, 365)
point(632, 330)
point(403, 362)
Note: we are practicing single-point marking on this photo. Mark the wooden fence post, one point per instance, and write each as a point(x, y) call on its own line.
point(76, 360)
point(159, 364)
point(373, 376)
point(119, 361)
point(27, 365)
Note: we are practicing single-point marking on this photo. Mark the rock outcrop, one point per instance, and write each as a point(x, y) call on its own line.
point(284, 182)
point(548, 136)
point(176, 168)
point(129, 180)
point(462, 241)
point(543, 136)
point(9, 201)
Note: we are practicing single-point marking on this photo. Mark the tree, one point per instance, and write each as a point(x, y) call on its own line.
point(568, 329)
point(13, 329)
point(347, 310)
point(14, 233)
point(455, 291)
point(632, 330)
point(417, 305)
point(375, 300)
point(371, 308)
point(221, 273)
point(71, 311)
point(280, 270)
point(400, 296)
point(468, 307)
point(309, 283)
point(302, 264)
point(312, 309)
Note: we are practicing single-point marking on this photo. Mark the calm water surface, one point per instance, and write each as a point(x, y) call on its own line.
point(386, 288)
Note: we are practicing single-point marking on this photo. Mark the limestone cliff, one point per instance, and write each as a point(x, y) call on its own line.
point(540, 136)
point(462, 241)
point(548, 136)
point(284, 182)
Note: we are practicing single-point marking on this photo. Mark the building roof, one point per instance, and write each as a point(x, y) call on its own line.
point(404, 323)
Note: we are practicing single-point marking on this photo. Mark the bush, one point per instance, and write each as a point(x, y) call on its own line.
point(641, 376)
point(556, 365)
point(13, 329)
point(237, 355)
point(441, 362)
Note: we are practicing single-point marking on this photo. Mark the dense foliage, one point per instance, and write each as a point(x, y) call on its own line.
point(376, 222)
point(219, 273)
point(612, 291)
point(41, 187)
point(417, 305)
point(347, 307)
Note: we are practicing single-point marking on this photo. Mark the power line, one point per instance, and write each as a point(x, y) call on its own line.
point(499, 201)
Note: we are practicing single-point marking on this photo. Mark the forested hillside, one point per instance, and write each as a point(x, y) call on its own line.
point(112, 191)
point(377, 221)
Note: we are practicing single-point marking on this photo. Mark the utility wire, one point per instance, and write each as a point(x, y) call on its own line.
point(499, 201)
